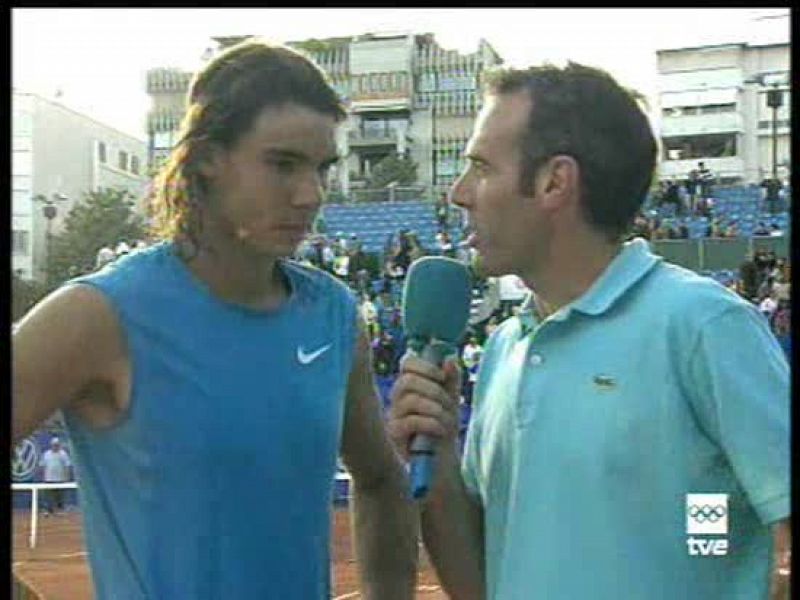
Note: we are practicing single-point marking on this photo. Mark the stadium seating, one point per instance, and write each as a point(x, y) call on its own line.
point(374, 222)
point(743, 206)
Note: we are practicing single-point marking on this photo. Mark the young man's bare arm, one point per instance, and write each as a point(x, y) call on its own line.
point(67, 342)
point(385, 521)
point(452, 528)
point(780, 576)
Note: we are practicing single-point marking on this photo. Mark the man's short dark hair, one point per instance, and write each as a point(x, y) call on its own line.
point(583, 112)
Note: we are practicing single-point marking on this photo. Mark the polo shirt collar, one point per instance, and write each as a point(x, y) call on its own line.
point(632, 263)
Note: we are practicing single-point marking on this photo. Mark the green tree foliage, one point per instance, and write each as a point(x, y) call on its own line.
point(314, 46)
point(24, 294)
point(393, 168)
point(101, 219)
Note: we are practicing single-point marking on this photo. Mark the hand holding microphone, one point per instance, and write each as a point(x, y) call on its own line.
point(436, 303)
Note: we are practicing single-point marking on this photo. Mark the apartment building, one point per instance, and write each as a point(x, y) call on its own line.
point(717, 105)
point(58, 154)
point(405, 93)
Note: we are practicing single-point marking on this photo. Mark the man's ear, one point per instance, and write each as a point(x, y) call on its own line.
point(558, 181)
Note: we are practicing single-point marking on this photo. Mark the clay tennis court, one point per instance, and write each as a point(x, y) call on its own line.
point(57, 568)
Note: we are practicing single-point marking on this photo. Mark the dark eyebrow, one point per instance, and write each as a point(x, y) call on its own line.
point(281, 153)
point(295, 155)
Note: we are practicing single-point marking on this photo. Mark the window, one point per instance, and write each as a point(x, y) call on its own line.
point(162, 140)
point(711, 109)
point(374, 128)
point(101, 152)
point(135, 165)
point(716, 145)
point(707, 109)
point(123, 160)
point(768, 124)
point(448, 82)
point(447, 165)
point(19, 241)
point(427, 82)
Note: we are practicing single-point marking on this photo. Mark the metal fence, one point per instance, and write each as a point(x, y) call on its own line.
point(717, 254)
point(388, 194)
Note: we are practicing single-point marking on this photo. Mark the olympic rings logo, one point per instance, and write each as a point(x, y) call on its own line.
point(707, 512)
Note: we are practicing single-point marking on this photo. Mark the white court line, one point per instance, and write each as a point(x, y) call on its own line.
point(70, 555)
point(420, 588)
point(53, 557)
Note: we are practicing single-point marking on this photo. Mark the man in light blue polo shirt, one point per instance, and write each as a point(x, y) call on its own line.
point(629, 437)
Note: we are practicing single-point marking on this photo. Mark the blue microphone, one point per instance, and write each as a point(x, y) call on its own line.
point(436, 302)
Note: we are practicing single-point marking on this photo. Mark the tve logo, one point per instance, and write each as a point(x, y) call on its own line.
point(707, 514)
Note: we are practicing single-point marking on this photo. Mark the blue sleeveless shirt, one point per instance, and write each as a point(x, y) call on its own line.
point(217, 482)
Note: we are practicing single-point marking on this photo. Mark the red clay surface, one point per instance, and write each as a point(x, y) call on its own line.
point(58, 570)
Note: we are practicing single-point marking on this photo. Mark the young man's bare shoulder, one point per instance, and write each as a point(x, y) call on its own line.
point(76, 309)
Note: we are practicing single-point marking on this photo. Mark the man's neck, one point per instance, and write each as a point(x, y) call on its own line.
point(237, 275)
point(569, 271)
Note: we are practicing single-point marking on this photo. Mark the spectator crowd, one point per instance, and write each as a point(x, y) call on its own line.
point(377, 282)
point(765, 280)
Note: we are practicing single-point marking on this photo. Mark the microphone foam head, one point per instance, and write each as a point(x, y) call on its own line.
point(436, 299)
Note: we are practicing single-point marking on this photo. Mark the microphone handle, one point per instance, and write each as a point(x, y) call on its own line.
point(422, 446)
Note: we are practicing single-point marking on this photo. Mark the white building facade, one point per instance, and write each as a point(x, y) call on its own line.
point(406, 95)
point(714, 108)
point(59, 154)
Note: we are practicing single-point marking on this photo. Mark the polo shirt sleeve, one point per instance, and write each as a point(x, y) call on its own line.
point(469, 463)
point(739, 386)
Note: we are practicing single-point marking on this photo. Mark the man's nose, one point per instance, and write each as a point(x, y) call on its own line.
point(309, 192)
point(459, 193)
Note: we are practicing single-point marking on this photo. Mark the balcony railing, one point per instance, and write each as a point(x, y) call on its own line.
point(702, 124)
point(382, 136)
point(717, 254)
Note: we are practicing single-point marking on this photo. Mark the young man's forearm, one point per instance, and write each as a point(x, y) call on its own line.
point(452, 529)
point(385, 530)
point(780, 577)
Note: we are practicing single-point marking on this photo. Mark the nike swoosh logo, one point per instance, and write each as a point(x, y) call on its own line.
point(308, 357)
